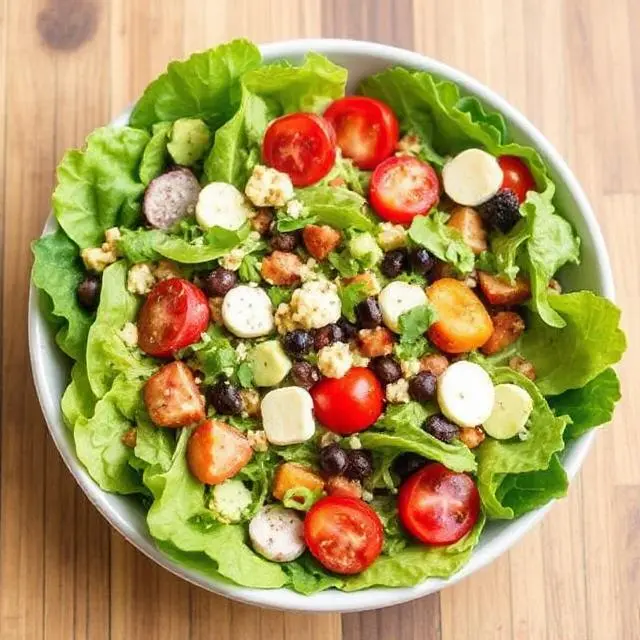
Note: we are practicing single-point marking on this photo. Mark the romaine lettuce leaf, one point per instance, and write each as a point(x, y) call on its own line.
point(98, 187)
point(570, 357)
point(57, 271)
point(107, 354)
point(155, 156)
point(498, 459)
point(590, 406)
point(206, 86)
point(444, 242)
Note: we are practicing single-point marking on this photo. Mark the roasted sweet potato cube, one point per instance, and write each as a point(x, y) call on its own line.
point(290, 475)
point(499, 291)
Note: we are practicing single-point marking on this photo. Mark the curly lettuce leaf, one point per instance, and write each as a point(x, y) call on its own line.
point(107, 354)
point(178, 516)
point(57, 271)
point(98, 187)
point(205, 86)
point(498, 459)
point(444, 242)
point(98, 439)
point(590, 406)
point(570, 357)
point(307, 576)
point(337, 207)
point(415, 563)
point(154, 447)
point(155, 156)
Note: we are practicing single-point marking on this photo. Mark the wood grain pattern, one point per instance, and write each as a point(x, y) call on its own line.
point(67, 66)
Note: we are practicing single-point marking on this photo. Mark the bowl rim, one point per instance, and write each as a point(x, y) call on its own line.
point(333, 600)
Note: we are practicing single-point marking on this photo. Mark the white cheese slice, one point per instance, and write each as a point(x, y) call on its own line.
point(247, 312)
point(221, 205)
point(511, 410)
point(287, 415)
point(398, 298)
point(472, 177)
point(277, 533)
point(466, 394)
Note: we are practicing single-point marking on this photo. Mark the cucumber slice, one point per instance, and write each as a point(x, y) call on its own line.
point(270, 364)
point(511, 410)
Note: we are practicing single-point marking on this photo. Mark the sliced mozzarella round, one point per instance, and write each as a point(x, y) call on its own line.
point(511, 410)
point(247, 312)
point(277, 533)
point(398, 298)
point(465, 394)
point(221, 205)
point(472, 177)
point(287, 415)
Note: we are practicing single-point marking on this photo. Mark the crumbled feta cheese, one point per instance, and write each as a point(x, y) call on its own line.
point(258, 440)
point(410, 368)
point(111, 236)
point(398, 392)
point(295, 208)
point(358, 359)
point(328, 437)
point(308, 271)
point(166, 269)
point(129, 334)
point(408, 145)
point(392, 236)
point(334, 360)
point(140, 279)
point(354, 443)
point(367, 496)
point(232, 260)
point(269, 188)
point(312, 306)
point(254, 235)
point(250, 402)
point(97, 259)
point(241, 351)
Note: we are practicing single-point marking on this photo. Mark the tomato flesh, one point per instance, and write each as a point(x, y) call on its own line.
point(301, 145)
point(366, 129)
point(403, 187)
point(172, 317)
point(517, 176)
point(349, 404)
point(344, 534)
point(438, 506)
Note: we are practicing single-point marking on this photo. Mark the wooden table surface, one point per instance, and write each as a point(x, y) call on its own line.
point(67, 66)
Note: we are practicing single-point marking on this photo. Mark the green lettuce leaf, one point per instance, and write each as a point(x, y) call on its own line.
point(307, 576)
point(57, 271)
point(507, 248)
point(444, 242)
point(107, 354)
point(99, 187)
point(354, 179)
point(155, 156)
point(498, 459)
point(98, 439)
point(416, 563)
point(206, 86)
point(415, 322)
point(78, 399)
point(336, 206)
point(570, 357)
point(350, 296)
point(590, 406)
point(154, 446)
point(178, 516)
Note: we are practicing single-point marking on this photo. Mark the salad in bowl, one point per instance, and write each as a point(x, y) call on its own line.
point(320, 338)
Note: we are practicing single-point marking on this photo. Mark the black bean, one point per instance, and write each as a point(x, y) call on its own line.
point(422, 261)
point(88, 292)
point(368, 313)
point(324, 336)
point(422, 387)
point(283, 242)
point(297, 343)
point(441, 428)
point(394, 263)
point(304, 374)
point(219, 282)
point(406, 464)
point(334, 460)
point(360, 464)
point(386, 368)
point(349, 330)
point(225, 398)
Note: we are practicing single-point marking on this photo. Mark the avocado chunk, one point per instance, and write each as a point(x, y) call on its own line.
point(365, 250)
point(190, 139)
point(270, 364)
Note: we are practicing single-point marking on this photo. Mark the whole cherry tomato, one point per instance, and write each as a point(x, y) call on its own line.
point(517, 176)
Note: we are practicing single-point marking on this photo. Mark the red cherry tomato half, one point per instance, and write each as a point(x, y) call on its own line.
point(343, 534)
point(172, 317)
point(349, 404)
point(302, 145)
point(517, 176)
point(403, 187)
point(367, 130)
point(438, 506)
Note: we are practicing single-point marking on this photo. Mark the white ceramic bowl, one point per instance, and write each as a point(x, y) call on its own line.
point(50, 370)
